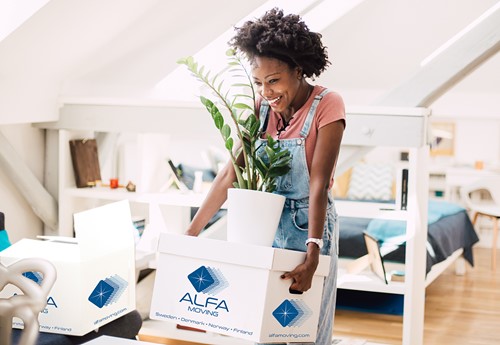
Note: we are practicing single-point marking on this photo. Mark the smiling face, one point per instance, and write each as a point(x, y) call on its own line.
point(278, 84)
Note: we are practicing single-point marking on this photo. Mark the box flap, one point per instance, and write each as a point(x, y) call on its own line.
point(104, 229)
point(52, 251)
point(216, 250)
point(236, 253)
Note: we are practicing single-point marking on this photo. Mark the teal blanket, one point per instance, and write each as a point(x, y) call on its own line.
point(4, 240)
point(387, 230)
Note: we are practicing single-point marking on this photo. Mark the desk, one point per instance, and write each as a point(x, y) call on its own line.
point(458, 177)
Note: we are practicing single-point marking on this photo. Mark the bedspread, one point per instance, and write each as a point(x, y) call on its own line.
point(453, 230)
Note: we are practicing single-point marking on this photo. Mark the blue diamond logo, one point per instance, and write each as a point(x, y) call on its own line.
point(108, 291)
point(285, 313)
point(292, 313)
point(101, 294)
point(201, 279)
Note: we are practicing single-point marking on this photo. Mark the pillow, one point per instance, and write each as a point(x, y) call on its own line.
point(371, 181)
point(341, 184)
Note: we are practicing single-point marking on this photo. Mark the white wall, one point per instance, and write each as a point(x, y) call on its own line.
point(19, 218)
point(477, 125)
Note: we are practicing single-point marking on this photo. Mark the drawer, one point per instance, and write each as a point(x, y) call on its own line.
point(385, 130)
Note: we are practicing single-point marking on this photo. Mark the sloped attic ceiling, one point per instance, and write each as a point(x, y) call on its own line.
point(143, 54)
point(380, 44)
point(375, 47)
point(122, 48)
point(116, 44)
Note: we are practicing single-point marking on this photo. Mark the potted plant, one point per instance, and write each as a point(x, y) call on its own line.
point(234, 115)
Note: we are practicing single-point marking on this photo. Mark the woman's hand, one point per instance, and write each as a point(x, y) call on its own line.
point(303, 274)
point(191, 232)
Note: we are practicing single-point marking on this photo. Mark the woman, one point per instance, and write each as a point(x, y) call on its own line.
point(309, 120)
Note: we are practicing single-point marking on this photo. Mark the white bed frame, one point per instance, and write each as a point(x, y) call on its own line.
point(370, 127)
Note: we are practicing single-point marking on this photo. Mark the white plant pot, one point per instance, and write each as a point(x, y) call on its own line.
point(253, 216)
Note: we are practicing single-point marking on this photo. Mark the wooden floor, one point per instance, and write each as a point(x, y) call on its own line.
point(459, 310)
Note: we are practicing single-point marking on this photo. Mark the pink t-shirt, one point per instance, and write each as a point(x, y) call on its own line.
point(330, 109)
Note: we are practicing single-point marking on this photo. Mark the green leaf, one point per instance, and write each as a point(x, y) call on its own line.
point(241, 85)
point(226, 131)
point(182, 61)
point(229, 143)
point(242, 106)
point(218, 120)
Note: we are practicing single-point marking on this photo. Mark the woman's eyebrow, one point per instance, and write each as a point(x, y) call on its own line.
point(269, 75)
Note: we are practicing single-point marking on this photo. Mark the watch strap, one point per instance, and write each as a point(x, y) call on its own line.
point(317, 241)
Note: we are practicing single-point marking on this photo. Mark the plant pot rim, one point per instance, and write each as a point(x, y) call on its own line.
point(255, 191)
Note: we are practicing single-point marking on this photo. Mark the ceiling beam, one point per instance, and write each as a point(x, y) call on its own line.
point(450, 64)
point(14, 167)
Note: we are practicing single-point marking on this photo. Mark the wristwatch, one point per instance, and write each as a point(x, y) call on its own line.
point(317, 241)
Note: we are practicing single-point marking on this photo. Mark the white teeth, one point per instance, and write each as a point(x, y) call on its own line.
point(274, 100)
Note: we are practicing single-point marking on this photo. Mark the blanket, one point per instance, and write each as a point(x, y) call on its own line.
point(394, 231)
point(445, 236)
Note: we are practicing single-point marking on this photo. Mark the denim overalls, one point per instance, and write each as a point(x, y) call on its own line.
point(293, 227)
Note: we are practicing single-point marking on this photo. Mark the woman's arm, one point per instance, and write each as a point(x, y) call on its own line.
point(325, 157)
point(216, 196)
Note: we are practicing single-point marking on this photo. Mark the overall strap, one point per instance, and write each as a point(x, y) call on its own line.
point(264, 109)
point(310, 115)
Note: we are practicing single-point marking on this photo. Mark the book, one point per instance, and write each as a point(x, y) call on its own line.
point(85, 162)
point(404, 189)
point(175, 177)
point(397, 276)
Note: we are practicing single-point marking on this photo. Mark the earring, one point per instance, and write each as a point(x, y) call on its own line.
point(299, 77)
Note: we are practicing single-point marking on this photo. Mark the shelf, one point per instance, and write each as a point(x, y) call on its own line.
point(369, 210)
point(171, 197)
point(369, 281)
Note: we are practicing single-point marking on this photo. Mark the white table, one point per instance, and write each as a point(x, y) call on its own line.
point(458, 177)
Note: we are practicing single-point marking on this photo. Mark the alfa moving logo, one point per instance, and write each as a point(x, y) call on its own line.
point(292, 313)
point(210, 281)
point(108, 291)
point(37, 277)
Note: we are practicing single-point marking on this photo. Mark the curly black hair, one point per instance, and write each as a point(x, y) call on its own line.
point(284, 37)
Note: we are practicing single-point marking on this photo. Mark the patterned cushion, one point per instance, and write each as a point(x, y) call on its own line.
point(371, 182)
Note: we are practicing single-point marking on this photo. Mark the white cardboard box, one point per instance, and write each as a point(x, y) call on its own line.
point(95, 276)
point(235, 289)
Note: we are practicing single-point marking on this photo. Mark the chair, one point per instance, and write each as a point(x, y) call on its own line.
point(26, 306)
point(490, 209)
